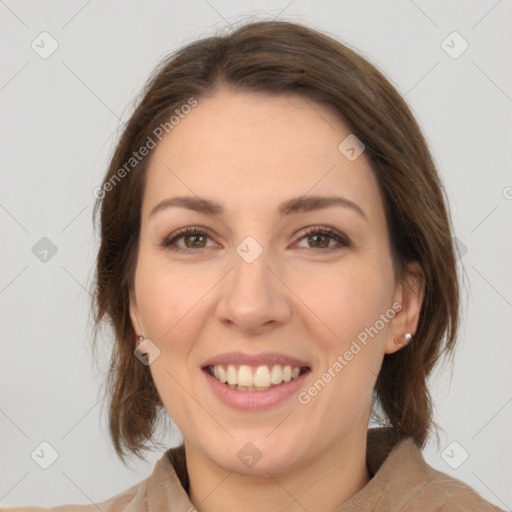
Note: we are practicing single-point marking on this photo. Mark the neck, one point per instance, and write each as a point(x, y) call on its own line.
point(322, 484)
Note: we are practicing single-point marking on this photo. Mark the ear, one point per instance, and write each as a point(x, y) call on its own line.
point(135, 315)
point(409, 294)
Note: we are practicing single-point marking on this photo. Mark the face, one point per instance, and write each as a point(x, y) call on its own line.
point(264, 261)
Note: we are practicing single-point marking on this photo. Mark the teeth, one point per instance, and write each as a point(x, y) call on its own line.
point(276, 377)
point(231, 375)
point(245, 377)
point(261, 378)
point(220, 373)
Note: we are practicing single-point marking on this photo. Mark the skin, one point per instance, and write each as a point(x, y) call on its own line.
point(250, 152)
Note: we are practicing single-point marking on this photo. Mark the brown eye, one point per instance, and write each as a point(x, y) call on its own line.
point(319, 241)
point(194, 241)
point(187, 239)
point(317, 237)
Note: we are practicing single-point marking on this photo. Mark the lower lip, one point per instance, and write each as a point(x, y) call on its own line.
point(254, 400)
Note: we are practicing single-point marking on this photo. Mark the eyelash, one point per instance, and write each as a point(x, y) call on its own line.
point(342, 240)
point(170, 242)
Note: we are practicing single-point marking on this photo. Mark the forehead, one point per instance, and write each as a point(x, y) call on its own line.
point(246, 149)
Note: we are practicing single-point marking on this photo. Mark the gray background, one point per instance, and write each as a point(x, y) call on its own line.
point(60, 116)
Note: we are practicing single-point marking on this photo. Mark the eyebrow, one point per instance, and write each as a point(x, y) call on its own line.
point(291, 206)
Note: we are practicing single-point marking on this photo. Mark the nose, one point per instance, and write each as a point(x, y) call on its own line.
point(253, 299)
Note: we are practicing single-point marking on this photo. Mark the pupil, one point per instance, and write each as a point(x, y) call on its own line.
point(194, 240)
point(319, 240)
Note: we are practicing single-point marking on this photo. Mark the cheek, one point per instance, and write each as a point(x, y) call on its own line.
point(168, 295)
point(347, 300)
point(172, 308)
point(350, 338)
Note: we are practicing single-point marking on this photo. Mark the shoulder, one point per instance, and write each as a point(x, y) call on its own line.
point(450, 494)
point(130, 500)
point(427, 488)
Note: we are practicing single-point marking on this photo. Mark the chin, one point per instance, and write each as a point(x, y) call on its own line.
point(254, 454)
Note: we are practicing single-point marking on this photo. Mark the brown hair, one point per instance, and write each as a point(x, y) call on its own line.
point(275, 57)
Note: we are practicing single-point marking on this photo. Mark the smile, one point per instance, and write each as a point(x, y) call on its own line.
point(254, 378)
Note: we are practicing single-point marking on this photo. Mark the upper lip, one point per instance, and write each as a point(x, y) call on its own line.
point(266, 358)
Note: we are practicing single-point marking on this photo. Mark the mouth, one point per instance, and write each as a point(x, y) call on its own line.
point(241, 377)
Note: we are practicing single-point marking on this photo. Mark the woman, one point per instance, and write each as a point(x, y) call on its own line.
point(277, 263)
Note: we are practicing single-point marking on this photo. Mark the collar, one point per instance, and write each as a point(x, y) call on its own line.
point(386, 456)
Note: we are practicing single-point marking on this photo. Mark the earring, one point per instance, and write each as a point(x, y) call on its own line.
point(406, 339)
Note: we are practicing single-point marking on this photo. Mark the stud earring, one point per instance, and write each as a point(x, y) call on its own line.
point(404, 339)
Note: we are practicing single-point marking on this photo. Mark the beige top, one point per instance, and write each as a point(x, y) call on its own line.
point(401, 480)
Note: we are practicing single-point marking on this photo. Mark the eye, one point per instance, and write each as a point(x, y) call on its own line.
point(321, 237)
point(314, 237)
point(187, 239)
